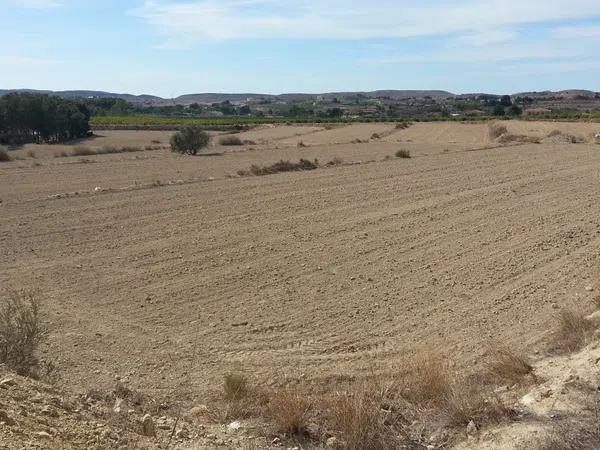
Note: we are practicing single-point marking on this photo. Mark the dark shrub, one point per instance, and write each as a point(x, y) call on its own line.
point(189, 140)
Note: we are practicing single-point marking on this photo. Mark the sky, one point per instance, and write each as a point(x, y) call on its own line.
point(174, 47)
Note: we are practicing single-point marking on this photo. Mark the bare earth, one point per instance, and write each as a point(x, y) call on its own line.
point(169, 271)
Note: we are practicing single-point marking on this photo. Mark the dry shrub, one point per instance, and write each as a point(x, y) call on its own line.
point(518, 138)
point(301, 144)
point(403, 154)
point(495, 130)
point(130, 149)
point(335, 162)
point(425, 380)
point(31, 153)
point(21, 332)
point(555, 133)
point(281, 166)
point(155, 141)
point(574, 331)
point(577, 431)
point(402, 125)
point(82, 150)
point(360, 421)
point(508, 365)
point(249, 142)
point(4, 156)
point(467, 401)
point(235, 386)
point(290, 412)
point(61, 154)
point(375, 136)
point(230, 140)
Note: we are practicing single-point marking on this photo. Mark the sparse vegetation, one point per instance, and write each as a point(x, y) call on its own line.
point(189, 140)
point(495, 130)
point(290, 412)
point(235, 386)
point(230, 140)
point(574, 331)
point(403, 154)
point(508, 365)
point(21, 332)
point(301, 144)
point(83, 150)
point(281, 166)
point(4, 155)
point(375, 136)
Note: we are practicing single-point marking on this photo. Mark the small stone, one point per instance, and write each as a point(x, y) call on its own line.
point(234, 426)
point(7, 382)
point(199, 411)
point(148, 428)
point(43, 434)
point(47, 411)
point(119, 406)
point(181, 433)
point(471, 428)
point(589, 288)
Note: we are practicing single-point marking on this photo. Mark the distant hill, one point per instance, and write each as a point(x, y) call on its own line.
point(218, 98)
point(243, 97)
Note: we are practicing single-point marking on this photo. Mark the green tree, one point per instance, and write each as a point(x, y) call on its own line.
point(515, 110)
point(189, 140)
point(499, 111)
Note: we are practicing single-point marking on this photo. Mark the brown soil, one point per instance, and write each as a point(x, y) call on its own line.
point(169, 271)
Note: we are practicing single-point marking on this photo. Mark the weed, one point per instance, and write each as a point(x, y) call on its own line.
point(82, 150)
point(21, 332)
point(290, 412)
point(230, 141)
point(235, 386)
point(574, 331)
point(495, 130)
point(4, 156)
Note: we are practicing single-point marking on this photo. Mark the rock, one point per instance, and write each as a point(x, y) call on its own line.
point(181, 433)
point(148, 428)
point(7, 382)
point(589, 288)
point(471, 428)
point(4, 417)
point(234, 426)
point(332, 442)
point(43, 434)
point(119, 406)
point(47, 411)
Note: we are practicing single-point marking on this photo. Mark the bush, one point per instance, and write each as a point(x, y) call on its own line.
point(574, 331)
point(82, 150)
point(290, 411)
point(20, 332)
point(281, 166)
point(230, 140)
point(496, 130)
point(235, 386)
point(189, 140)
point(508, 365)
point(403, 154)
point(4, 156)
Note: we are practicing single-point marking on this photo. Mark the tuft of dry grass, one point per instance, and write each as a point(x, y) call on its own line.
point(281, 166)
point(290, 412)
point(425, 380)
point(508, 365)
point(335, 162)
point(82, 150)
point(230, 140)
point(21, 331)
point(574, 331)
point(495, 130)
point(403, 154)
point(31, 153)
point(519, 139)
point(301, 144)
point(4, 156)
point(235, 386)
point(375, 136)
point(360, 421)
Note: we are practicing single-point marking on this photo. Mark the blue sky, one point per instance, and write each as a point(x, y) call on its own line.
point(173, 47)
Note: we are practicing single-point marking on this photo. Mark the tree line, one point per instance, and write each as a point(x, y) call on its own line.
point(37, 118)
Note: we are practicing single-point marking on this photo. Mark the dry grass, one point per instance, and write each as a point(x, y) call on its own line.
point(375, 136)
point(508, 365)
point(301, 145)
point(335, 162)
point(281, 166)
point(31, 154)
point(82, 150)
point(403, 154)
point(360, 422)
point(425, 380)
point(495, 130)
point(290, 412)
point(235, 386)
point(579, 432)
point(574, 331)
point(518, 139)
point(230, 141)
point(4, 155)
point(21, 332)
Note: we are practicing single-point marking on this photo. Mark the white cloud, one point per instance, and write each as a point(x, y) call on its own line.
point(485, 38)
point(188, 22)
